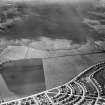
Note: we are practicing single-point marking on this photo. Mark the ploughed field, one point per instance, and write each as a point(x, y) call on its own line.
point(87, 88)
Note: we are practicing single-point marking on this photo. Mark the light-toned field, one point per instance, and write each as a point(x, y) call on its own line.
point(61, 70)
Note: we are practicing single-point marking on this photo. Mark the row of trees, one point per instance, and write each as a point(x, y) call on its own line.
point(96, 19)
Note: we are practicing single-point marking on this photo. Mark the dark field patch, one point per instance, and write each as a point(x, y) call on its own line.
point(24, 77)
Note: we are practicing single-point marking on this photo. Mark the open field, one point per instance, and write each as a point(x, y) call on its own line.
point(60, 70)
